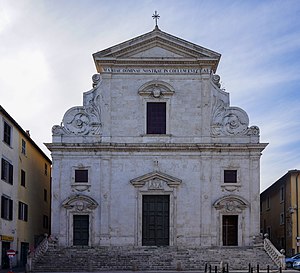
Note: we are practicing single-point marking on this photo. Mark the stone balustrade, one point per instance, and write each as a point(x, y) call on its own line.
point(37, 252)
point(275, 255)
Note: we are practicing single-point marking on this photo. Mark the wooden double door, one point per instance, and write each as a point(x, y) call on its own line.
point(156, 220)
point(81, 230)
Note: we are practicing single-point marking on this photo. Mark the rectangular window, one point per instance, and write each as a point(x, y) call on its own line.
point(7, 134)
point(281, 218)
point(230, 176)
point(6, 208)
point(23, 211)
point(23, 175)
point(281, 194)
point(45, 221)
point(81, 176)
point(45, 195)
point(269, 232)
point(156, 118)
point(46, 169)
point(23, 147)
point(268, 202)
point(6, 171)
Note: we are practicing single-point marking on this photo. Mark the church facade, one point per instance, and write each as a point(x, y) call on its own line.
point(156, 156)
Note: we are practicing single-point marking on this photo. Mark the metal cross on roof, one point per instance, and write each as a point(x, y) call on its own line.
point(155, 16)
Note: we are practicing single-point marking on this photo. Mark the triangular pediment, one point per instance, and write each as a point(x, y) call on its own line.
point(157, 52)
point(156, 45)
point(168, 179)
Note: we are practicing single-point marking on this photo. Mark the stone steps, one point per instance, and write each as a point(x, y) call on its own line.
point(78, 259)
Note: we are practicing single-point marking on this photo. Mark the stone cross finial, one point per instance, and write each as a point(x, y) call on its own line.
point(155, 16)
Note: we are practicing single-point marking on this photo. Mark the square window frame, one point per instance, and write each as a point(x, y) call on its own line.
point(231, 169)
point(81, 167)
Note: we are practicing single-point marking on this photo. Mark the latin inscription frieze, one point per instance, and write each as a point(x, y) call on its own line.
point(156, 70)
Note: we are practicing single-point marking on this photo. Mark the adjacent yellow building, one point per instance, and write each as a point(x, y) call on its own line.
point(280, 212)
point(25, 190)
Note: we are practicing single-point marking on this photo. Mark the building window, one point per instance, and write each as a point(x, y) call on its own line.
point(268, 202)
point(23, 183)
point(269, 233)
point(6, 208)
point(23, 211)
point(81, 176)
point(156, 118)
point(23, 147)
point(281, 218)
point(6, 171)
point(45, 195)
point(7, 133)
point(46, 169)
point(230, 176)
point(45, 221)
point(281, 194)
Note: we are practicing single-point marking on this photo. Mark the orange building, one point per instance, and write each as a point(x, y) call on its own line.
point(25, 189)
point(280, 216)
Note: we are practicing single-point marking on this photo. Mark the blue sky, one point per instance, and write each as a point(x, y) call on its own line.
point(46, 62)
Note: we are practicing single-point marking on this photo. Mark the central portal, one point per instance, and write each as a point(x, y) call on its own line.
point(156, 220)
point(81, 230)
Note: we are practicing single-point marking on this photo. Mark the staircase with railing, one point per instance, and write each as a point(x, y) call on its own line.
point(275, 255)
point(38, 252)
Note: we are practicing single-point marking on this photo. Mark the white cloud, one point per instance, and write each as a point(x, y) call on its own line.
point(46, 47)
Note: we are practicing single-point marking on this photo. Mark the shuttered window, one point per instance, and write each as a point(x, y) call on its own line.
point(23, 211)
point(7, 134)
point(6, 171)
point(6, 208)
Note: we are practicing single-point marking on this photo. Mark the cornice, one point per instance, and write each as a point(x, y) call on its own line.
point(155, 147)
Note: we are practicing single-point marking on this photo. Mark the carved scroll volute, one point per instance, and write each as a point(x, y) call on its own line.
point(86, 119)
point(230, 121)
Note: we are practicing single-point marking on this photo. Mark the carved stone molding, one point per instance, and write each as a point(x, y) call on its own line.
point(230, 121)
point(216, 80)
point(231, 187)
point(83, 120)
point(155, 181)
point(80, 203)
point(156, 89)
point(80, 187)
point(231, 203)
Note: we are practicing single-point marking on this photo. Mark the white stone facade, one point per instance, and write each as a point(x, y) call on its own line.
point(204, 135)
